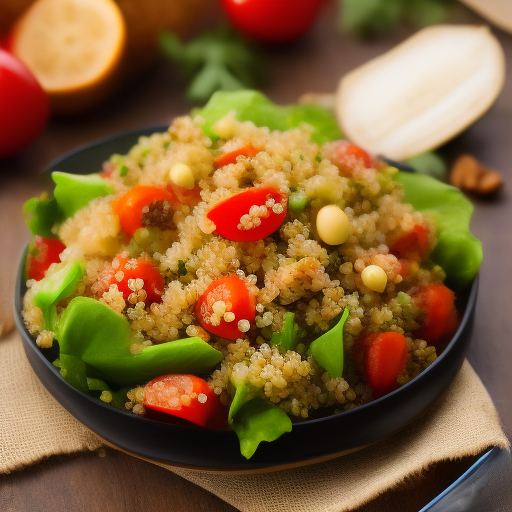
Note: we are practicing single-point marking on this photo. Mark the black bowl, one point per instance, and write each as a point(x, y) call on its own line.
point(189, 446)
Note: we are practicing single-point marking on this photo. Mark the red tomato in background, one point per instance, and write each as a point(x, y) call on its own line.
point(24, 106)
point(272, 21)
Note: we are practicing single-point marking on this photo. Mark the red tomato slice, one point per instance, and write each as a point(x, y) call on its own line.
point(185, 396)
point(235, 219)
point(234, 293)
point(347, 156)
point(24, 106)
point(129, 206)
point(126, 270)
point(412, 245)
point(441, 319)
point(385, 358)
point(47, 252)
point(230, 158)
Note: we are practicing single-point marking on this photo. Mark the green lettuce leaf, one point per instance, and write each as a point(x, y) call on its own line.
point(259, 420)
point(254, 106)
point(458, 251)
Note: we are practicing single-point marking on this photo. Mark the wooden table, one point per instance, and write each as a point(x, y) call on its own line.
point(115, 482)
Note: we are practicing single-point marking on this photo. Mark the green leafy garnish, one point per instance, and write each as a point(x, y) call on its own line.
point(286, 337)
point(215, 60)
point(104, 341)
point(431, 164)
point(41, 214)
point(259, 420)
point(328, 348)
point(369, 18)
point(458, 252)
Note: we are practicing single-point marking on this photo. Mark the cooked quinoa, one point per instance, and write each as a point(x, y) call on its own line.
point(292, 270)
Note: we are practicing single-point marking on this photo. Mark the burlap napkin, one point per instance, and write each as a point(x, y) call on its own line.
point(462, 424)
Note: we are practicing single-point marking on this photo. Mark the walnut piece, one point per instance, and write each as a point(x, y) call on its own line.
point(468, 174)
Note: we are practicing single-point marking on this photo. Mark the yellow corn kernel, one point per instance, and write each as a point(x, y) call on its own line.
point(332, 225)
point(182, 175)
point(375, 278)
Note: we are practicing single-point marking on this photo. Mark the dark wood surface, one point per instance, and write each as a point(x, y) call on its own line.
point(115, 481)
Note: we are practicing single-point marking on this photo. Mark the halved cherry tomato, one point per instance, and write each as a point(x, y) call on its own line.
point(413, 245)
point(347, 156)
point(47, 252)
point(124, 273)
point(237, 300)
point(129, 206)
point(185, 396)
point(440, 316)
point(230, 158)
point(235, 218)
point(385, 355)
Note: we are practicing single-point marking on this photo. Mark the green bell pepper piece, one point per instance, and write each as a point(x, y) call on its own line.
point(40, 215)
point(74, 191)
point(328, 348)
point(287, 336)
point(259, 420)
point(102, 339)
point(55, 287)
point(253, 106)
point(457, 251)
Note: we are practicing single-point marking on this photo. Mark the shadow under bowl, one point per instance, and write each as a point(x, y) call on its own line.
point(218, 450)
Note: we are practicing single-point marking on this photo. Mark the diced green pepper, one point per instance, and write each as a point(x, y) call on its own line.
point(259, 420)
point(287, 336)
point(102, 338)
point(297, 201)
point(40, 215)
point(74, 191)
point(55, 287)
point(328, 348)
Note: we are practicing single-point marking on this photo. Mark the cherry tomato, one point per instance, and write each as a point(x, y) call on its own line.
point(272, 21)
point(440, 316)
point(129, 206)
point(413, 245)
point(235, 218)
point(185, 396)
point(384, 360)
point(347, 156)
point(237, 300)
point(47, 252)
point(230, 158)
point(24, 106)
point(125, 271)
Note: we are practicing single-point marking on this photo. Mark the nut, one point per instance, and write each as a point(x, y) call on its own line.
point(468, 174)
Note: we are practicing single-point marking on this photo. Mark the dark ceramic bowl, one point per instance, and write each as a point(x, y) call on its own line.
point(190, 446)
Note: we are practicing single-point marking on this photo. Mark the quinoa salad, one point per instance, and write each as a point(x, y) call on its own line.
point(256, 274)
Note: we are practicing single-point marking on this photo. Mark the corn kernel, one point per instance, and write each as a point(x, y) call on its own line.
point(182, 176)
point(375, 278)
point(332, 225)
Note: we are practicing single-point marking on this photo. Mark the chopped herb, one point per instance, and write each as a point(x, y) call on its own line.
point(182, 269)
point(215, 60)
